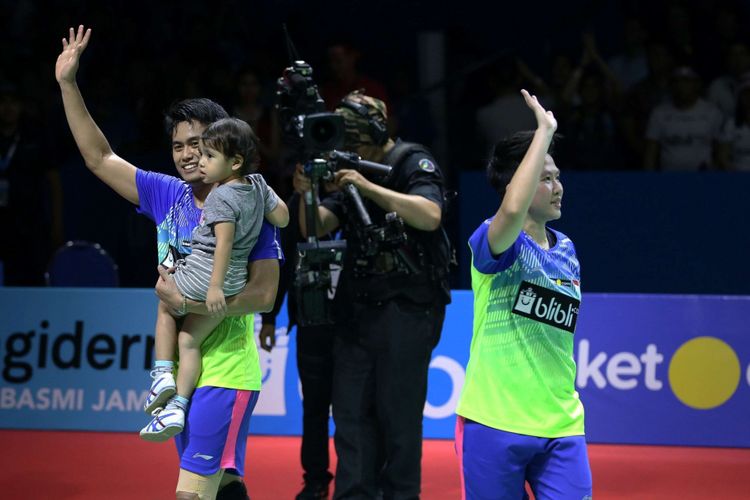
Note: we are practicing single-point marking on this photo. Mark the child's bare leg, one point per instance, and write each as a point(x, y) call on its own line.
point(165, 344)
point(163, 384)
point(171, 420)
point(195, 329)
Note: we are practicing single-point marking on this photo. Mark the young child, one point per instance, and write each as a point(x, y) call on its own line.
point(216, 268)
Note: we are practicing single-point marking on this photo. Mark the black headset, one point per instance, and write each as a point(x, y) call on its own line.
point(377, 130)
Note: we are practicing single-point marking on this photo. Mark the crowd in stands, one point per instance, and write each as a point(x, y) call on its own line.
point(668, 91)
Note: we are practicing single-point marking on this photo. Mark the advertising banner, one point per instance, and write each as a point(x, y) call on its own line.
point(652, 369)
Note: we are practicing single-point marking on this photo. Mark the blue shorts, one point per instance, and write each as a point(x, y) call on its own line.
point(215, 434)
point(496, 464)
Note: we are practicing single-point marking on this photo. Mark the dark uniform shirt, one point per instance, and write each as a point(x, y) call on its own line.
point(379, 277)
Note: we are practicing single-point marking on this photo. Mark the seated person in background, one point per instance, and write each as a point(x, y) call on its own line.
point(734, 151)
point(682, 134)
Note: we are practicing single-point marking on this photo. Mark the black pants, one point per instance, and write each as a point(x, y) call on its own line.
point(379, 391)
point(315, 366)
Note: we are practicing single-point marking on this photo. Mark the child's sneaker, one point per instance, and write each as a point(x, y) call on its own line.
point(166, 423)
point(162, 388)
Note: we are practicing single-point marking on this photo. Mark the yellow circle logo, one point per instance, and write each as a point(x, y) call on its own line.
point(704, 373)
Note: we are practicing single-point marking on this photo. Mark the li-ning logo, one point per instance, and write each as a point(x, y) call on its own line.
point(545, 305)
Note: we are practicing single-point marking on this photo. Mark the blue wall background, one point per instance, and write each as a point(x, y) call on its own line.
point(640, 232)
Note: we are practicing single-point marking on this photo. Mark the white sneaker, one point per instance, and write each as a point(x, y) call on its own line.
point(162, 388)
point(166, 423)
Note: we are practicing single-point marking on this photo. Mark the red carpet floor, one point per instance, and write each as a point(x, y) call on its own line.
point(114, 466)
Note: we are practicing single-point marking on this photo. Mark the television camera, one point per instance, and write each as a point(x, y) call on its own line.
point(314, 135)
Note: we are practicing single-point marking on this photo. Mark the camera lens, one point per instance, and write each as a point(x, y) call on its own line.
point(323, 131)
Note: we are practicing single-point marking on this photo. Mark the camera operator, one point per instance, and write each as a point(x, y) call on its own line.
point(389, 307)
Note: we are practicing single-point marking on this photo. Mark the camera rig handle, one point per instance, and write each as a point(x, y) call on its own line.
point(354, 161)
point(375, 236)
point(353, 194)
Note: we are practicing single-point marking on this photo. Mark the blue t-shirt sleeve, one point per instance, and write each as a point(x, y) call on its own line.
point(268, 245)
point(482, 258)
point(156, 193)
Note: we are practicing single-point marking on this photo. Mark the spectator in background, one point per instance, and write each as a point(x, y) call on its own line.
point(642, 99)
point(560, 93)
point(566, 79)
point(537, 83)
point(30, 195)
point(411, 118)
point(219, 76)
point(723, 90)
point(734, 152)
point(508, 112)
point(678, 33)
point(591, 60)
point(590, 92)
point(720, 33)
point(345, 77)
point(682, 134)
point(591, 141)
point(264, 121)
point(631, 65)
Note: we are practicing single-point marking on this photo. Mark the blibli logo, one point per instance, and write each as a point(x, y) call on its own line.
point(547, 306)
point(525, 301)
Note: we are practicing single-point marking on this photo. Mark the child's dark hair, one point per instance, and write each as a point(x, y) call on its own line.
point(200, 110)
point(507, 155)
point(232, 136)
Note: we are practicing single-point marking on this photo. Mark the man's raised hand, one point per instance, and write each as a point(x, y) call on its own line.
point(67, 62)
